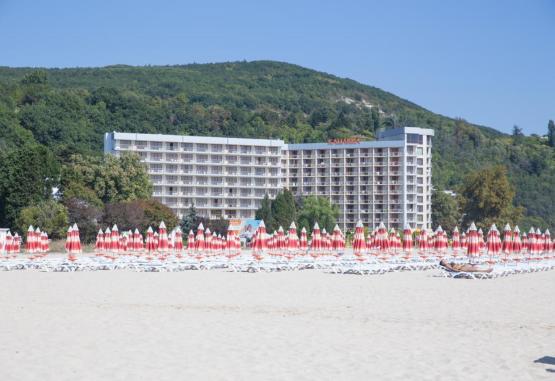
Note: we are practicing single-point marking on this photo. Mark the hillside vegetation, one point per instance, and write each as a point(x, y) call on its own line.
point(69, 110)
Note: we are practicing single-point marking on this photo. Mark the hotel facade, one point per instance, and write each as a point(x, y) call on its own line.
point(387, 180)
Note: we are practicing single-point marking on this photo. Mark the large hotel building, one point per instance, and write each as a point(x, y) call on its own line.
point(387, 180)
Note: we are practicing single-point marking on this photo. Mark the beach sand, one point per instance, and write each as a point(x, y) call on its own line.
point(304, 325)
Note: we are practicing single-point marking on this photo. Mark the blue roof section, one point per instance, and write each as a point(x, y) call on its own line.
point(367, 144)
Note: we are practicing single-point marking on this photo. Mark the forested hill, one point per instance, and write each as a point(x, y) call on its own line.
point(68, 110)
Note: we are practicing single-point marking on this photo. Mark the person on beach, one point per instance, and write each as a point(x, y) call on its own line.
point(463, 267)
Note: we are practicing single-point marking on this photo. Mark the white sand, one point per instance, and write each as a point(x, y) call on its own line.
point(292, 325)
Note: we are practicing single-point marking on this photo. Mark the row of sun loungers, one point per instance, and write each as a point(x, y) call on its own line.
point(245, 262)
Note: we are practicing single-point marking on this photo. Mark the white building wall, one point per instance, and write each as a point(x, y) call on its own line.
point(388, 180)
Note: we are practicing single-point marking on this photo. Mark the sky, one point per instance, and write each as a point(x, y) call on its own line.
point(489, 62)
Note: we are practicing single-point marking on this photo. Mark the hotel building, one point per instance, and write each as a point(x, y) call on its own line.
point(387, 180)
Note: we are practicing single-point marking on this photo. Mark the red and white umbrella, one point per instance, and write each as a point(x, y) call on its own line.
point(30, 242)
point(17, 243)
point(456, 240)
point(548, 242)
point(507, 246)
point(191, 240)
point(473, 242)
point(45, 244)
point(199, 239)
point(261, 241)
point(163, 243)
point(150, 243)
point(359, 242)
point(382, 239)
point(99, 244)
point(281, 240)
point(440, 243)
point(407, 238)
point(292, 238)
point(517, 246)
point(114, 239)
point(338, 242)
point(9, 245)
point(178, 238)
point(481, 240)
point(423, 242)
point(494, 244)
point(68, 239)
point(316, 242)
point(137, 240)
point(303, 242)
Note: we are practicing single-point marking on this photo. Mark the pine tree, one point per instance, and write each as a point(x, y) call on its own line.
point(265, 211)
point(189, 220)
point(283, 210)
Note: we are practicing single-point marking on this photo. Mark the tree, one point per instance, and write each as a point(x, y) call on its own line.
point(139, 214)
point(486, 197)
point(551, 133)
point(27, 177)
point(112, 178)
point(189, 220)
point(445, 211)
point(264, 212)
point(283, 210)
point(87, 215)
point(50, 216)
point(317, 209)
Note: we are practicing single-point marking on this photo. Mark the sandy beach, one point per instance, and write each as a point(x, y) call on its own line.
point(301, 325)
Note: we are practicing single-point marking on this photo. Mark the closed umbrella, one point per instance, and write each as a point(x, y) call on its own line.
point(359, 242)
point(292, 238)
point(473, 242)
point(407, 239)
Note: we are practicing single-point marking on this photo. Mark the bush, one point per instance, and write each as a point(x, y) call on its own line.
point(50, 216)
point(138, 214)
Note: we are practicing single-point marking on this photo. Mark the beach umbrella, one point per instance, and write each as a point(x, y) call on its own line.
point(178, 245)
point(163, 243)
point(68, 239)
point(191, 240)
point(382, 239)
point(473, 242)
point(9, 246)
point(456, 239)
point(371, 240)
point(150, 244)
point(261, 242)
point(494, 244)
point(338, 242)
point(440, 243)
point(303, 241)
point(137, 240)
point(200, 241)
point(423, 243)
point(481, 240)
point(16, 243)
point(359, 242)
point(407, 238)
point(114, 239)
point(316, 242)
point(45, 243)
point(507, 245)
point(30, 242)
point(99, 244)
point(292, 238)
point(548, 242)
point(76, 239)
point(281, 241)
point(156, 240)
point(532, 242)
point(517, 246)
point(464, 241)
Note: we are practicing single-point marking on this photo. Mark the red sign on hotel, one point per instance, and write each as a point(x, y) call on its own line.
point(344, 141)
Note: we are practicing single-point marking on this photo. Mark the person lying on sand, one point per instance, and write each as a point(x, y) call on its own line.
point(463, 267)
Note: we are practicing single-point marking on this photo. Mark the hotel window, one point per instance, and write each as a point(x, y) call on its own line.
point(415, 139)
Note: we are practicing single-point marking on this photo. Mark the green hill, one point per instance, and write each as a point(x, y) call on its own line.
point(68, 110)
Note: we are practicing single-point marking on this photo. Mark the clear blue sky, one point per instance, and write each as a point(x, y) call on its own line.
point(490, 62)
